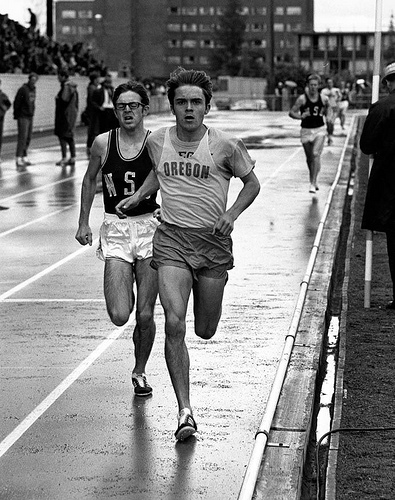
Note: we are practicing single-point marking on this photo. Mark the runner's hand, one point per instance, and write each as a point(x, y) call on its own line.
point(124, 205)
point(84, 235)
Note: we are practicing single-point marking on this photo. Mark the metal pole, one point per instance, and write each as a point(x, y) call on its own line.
point(375, 96)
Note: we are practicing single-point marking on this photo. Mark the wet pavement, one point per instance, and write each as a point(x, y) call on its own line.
point(70, 426)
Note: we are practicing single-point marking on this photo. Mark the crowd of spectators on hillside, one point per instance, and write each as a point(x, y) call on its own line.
point(25, 50)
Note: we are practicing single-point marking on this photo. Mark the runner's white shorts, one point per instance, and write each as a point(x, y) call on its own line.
point(311, 134)
point(127, 239)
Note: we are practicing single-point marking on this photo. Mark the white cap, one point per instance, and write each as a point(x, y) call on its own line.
point(389, 70)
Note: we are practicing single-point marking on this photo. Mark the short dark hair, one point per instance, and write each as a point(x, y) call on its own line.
point(132, 86)
point(182, 76)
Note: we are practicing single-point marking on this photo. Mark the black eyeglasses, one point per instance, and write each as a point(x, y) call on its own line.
point(121, 106)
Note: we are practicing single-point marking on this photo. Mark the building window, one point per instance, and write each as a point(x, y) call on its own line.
point(220, 11)
point(207, 44)
point(204, 60)
point(189, 27)
point(322, 43)
point(69, 30)
point(278, 27)
point(259, 43)
point(332, 43)
point(173, 44)
point(305, 42)
point(173, 27)
point(260, 11)
point(190, 11)
point(204, 28)
point(174, 60)
point(206, 11)
point(282, 44)
point(85, 30)
point(257, 27)
point(348, 42)
point(294, 11)
point(69, 14)
point(85, 14)
point(188, 59)
point(189, 44)
point(279, 11)
point(244, 11)
point(173, 10)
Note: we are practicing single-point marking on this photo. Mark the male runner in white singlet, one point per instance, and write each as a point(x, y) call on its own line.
point(193, 166)
point(125, 245)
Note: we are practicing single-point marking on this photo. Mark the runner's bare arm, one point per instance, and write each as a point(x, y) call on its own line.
point(150, 186)
point(98, 151)
point(247, 195)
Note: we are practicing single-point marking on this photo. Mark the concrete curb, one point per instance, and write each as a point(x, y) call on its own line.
point(330, 488)
point(281, 473)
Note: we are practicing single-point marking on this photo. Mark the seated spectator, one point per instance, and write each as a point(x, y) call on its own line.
point(24, 50)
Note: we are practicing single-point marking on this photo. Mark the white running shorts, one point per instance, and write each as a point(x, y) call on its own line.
point(311, 134)
point(127, 239)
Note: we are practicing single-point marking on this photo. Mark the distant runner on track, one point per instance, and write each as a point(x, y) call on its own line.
point(310, 108)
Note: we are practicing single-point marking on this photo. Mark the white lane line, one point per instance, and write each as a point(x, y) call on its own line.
point(275, 172)
point(39, 219)
point(18, 432)
point(39, 188)
point(53, 300)
point(49, 269)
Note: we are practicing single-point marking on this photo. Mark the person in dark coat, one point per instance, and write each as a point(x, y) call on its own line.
point(66, 112)
point(102, 103)
point(378, 139)
point(5, 105)
point(24, 108)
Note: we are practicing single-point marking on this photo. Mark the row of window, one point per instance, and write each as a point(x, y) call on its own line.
point(76, 30)
point(345, 42)
point(211, 44)
point(73, 14)
point(244, 11)
point(253, 27)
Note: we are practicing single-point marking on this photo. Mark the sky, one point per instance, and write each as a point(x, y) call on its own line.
point(333, 15)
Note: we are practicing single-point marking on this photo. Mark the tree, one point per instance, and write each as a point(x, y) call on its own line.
point(227, 58)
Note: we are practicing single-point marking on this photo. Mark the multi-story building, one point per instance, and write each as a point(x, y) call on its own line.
point(152, 37)
point(333, 52)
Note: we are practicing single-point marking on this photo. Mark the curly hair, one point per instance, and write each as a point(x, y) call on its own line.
point(182, 76)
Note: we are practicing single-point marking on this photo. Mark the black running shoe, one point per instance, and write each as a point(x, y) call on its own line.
point(140, 384)
point(186, 425)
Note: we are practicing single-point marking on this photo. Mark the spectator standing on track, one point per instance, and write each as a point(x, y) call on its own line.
point(102, 102)
point(92, 114)
point(310, 108)
point(24, 108)
point(121, 157)
point(378, 139)
point(5, 105)
point(193, 165)
point(334, 96)
point(66, 113)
